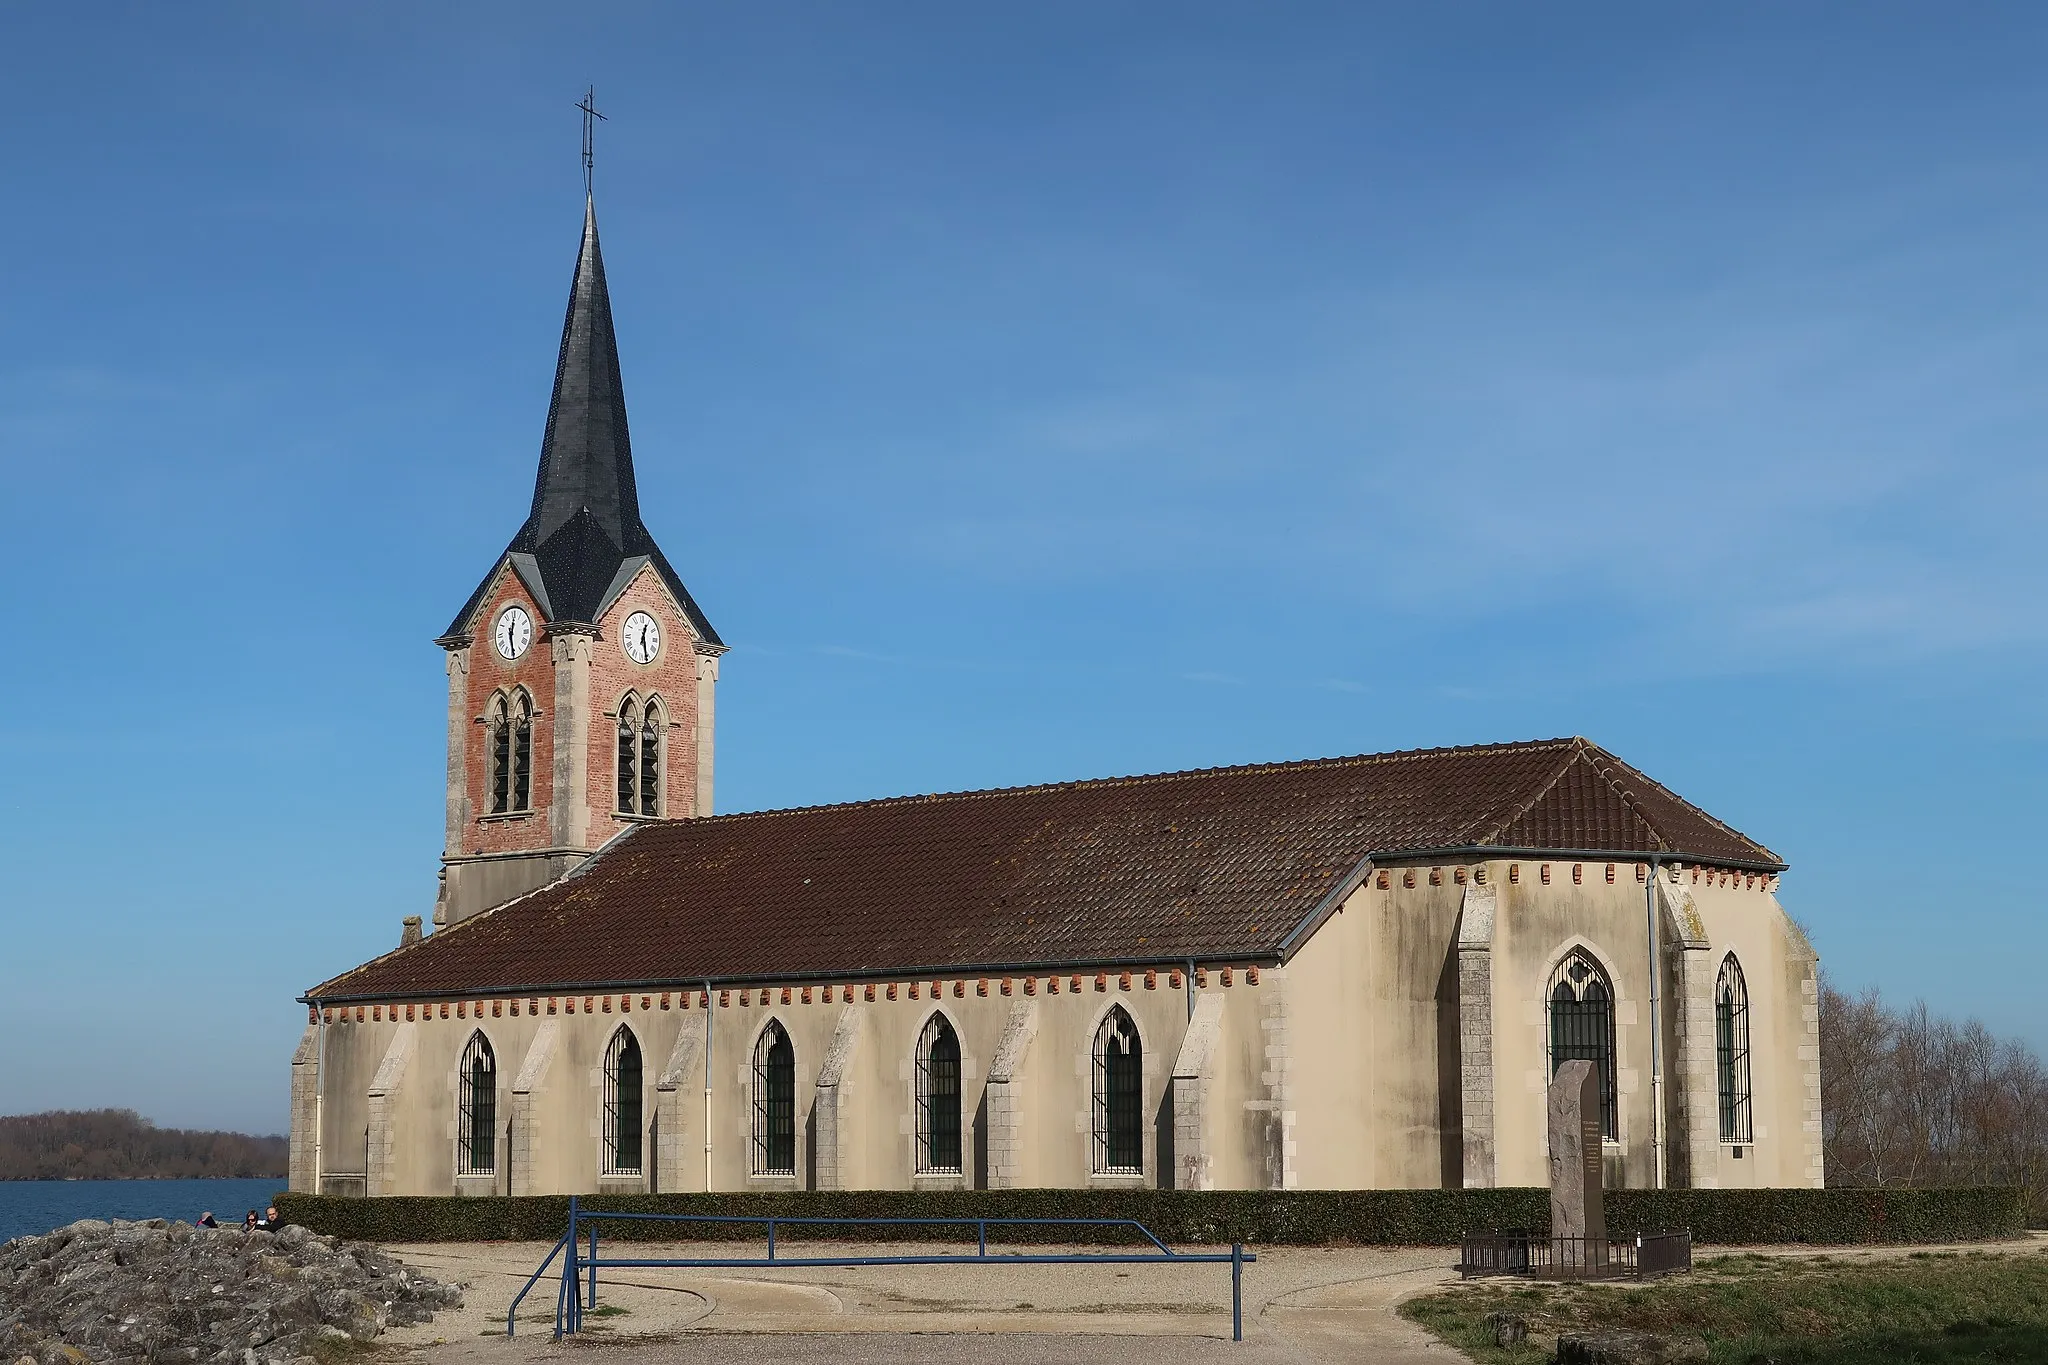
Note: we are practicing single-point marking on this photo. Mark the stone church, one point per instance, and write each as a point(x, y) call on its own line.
point(1340, 973)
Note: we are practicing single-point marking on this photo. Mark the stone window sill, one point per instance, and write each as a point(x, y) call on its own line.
point(503, 816)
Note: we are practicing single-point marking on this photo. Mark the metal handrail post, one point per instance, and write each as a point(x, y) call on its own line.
point(981, 1236)
point(771, 1239)
point(531, 1280)
point(1237, 1291)
point(593, 1267)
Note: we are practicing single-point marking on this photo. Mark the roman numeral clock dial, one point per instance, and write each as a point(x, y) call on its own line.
point(514, 633)
point(641, 637)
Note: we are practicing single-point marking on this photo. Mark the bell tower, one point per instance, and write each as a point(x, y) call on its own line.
point(581, 672)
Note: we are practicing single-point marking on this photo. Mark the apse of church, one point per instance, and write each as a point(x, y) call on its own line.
point(1349, 972)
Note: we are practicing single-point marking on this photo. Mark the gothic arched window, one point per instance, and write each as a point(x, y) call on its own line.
point(1119, 1095)
point(938, 1098)
point(622, 1097)
point(1731, 1050)
point(499, 723)
point(1582, 1029)
point(650, 758)
point(476, 1109)
point(774, 1145)
point(522, 751)
point(629, 737)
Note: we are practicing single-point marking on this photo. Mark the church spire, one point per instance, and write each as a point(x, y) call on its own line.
point(583, 538)
point(586, 455)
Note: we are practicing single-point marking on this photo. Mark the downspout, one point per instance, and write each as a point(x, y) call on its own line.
point(1656, 1026)
point(1191, 988)
point(709, 1016)
point(319, 1091)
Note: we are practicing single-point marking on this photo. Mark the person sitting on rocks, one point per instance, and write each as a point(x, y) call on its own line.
point(207, 1220)
point(270, 1222)
point(249, 1223)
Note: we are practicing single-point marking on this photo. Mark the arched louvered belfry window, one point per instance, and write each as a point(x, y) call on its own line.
point(650, 758)
point(476, 1108)
point(774, 1144)
point(1731, 1050)
point(1119, 1095)
point(622, 1096)
point(500, 726)
point(1582, 1029)
point(938, 1098)
point(629, 749)
point(522, 751)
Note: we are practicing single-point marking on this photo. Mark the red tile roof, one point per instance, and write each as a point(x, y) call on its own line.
point(1219, 863)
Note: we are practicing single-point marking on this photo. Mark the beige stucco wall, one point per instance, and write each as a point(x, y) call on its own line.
point(1340, 1069)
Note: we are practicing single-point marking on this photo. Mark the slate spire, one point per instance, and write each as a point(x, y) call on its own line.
point(586, 457)
point(583, 539)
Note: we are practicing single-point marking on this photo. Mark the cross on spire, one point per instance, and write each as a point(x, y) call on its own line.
point(589, 108)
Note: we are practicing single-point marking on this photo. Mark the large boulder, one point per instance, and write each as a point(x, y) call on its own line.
point(163, 1293)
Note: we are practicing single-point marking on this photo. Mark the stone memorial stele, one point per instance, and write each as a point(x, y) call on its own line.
point(1576, 1207)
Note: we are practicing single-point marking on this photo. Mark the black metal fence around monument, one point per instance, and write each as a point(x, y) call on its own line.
point(1636, 1257)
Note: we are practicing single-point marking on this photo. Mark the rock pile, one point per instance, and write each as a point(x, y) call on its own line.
point(172, 1294)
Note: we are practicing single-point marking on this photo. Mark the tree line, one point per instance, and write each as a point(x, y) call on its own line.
point(1913, 1098)
point(120, 1144)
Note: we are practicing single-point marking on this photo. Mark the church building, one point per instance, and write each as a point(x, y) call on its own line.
point(1339, 973)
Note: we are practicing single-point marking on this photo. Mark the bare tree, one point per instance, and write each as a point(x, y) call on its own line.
point(1911, 1098)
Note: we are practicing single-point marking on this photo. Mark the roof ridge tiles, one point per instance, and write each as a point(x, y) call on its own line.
point(1615, 761)
point(1135, 779)
point(1493, 825)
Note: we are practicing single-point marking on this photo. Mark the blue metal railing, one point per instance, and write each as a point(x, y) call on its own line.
point(578, 1289)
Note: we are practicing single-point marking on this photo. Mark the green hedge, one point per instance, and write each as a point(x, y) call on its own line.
point(1257, 1217)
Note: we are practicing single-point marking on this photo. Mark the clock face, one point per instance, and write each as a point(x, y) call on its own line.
point(514, 633)
point(642, 637)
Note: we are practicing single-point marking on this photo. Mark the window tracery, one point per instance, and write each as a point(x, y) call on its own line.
point(774, 1126)
point(938, 1098)
point(1582, 1029)
point(1119, 1095)
point(1731, 1051)
point(622, 1104)
point(476, 1124)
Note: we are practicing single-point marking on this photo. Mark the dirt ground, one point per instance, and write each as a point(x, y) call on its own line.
point(1301, 1304)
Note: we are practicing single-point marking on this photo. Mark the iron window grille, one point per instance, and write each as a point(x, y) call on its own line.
point(476, 1124)
point(938, 1098)
point(622, 1096)
point(1582, 1030)
point(1119, 1096)
point(774, 1102)
point(1731, 1050)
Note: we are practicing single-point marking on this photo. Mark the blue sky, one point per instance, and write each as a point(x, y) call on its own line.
point(1027, 392)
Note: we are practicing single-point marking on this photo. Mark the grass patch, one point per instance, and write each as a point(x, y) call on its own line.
point(1928, 1307)
point(606, 1310)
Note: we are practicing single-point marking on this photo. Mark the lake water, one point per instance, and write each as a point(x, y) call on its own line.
point(36, 1206)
